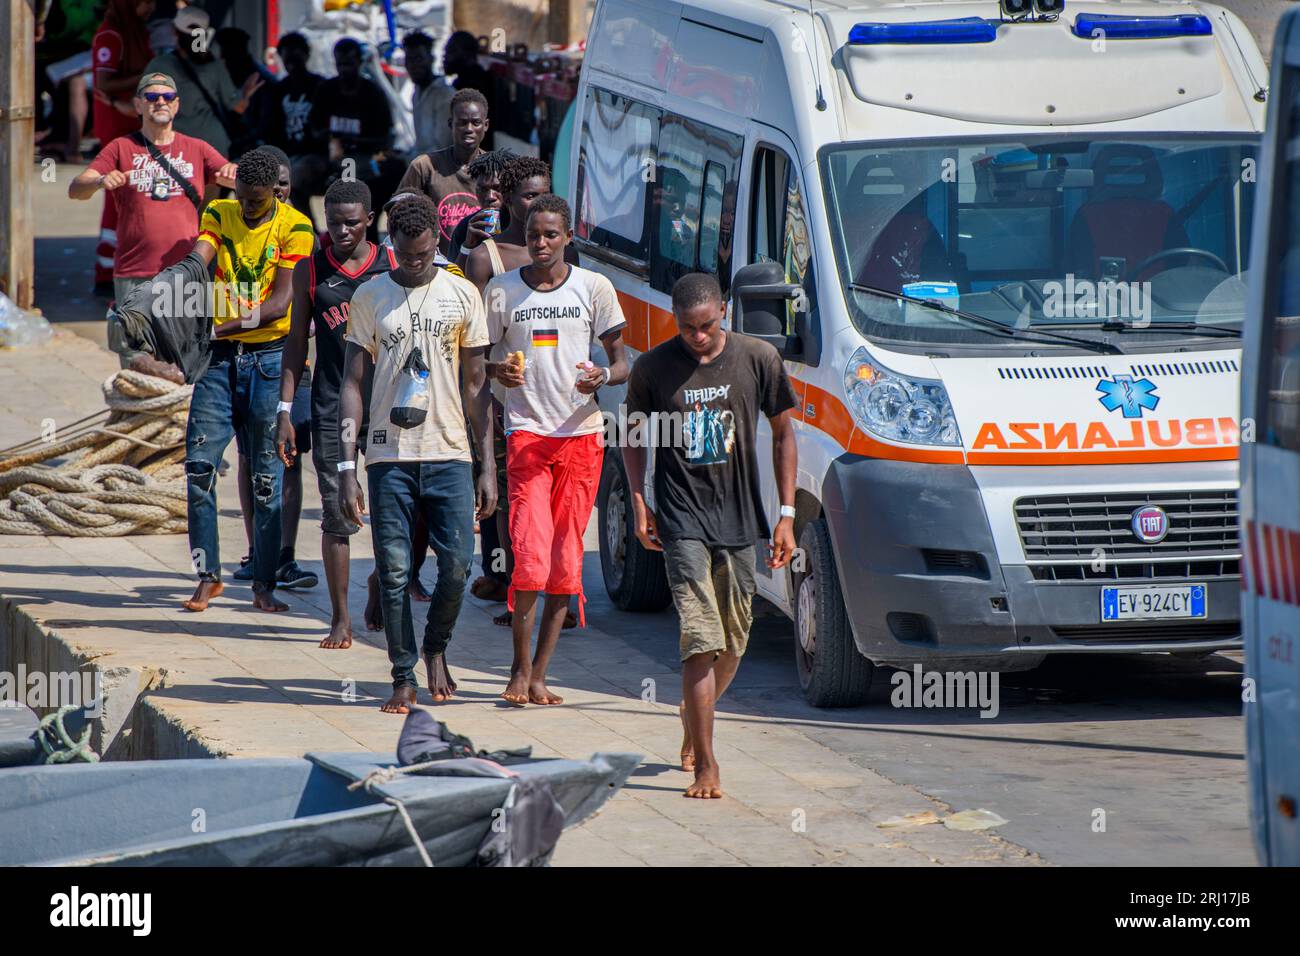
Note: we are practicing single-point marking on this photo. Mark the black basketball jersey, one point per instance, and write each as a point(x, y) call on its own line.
point(332, 287)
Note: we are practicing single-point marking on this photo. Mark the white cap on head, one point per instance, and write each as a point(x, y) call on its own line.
point(191, 22)
point(191, 18)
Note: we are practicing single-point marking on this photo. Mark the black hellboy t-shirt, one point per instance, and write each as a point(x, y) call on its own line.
point(705, 470)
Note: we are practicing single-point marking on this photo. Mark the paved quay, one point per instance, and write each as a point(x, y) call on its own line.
point(232, 682)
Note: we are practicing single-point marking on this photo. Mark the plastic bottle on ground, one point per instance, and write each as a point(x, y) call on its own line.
point(19, 328)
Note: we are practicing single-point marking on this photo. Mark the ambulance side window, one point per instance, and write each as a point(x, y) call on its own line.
point(693, 202)
point(797, 252)
point(617, 157)
point(779, 227)
point(767, 205)
point(1279, 368)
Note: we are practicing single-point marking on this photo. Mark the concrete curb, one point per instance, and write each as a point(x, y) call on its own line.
point(27, 644)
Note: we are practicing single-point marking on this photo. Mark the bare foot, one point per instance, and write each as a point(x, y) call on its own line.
point(570, 621)
point(707, 785)
point(401, 702)
point(374, 616)
point(416, 590)
point(267, 601)
point(339, 637)
point(516, 691)
point(504, 619)
point(205, 592)
point(539, 694)
point(489, 589)
point(688, 748)
point(441, 686)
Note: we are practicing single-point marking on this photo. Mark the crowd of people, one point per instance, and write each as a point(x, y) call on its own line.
point(329, 127)
point(455, 355)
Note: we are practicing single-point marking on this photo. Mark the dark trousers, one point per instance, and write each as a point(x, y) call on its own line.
point(444, 493)
point(238, 392)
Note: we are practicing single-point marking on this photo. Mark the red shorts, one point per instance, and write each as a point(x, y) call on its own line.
point(552, 488)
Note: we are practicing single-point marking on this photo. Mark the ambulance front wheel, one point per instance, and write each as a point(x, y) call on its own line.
point(634, 577)
point(832, 673)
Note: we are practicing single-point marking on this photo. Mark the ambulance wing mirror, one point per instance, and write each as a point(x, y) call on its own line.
point(759, 295)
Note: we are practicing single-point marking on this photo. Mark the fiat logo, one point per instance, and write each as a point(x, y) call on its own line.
point(1150, 524)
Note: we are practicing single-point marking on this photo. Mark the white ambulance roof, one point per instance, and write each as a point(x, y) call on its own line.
point(1034, 74)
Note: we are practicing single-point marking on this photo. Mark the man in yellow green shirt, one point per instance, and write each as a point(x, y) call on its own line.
point(255, 241)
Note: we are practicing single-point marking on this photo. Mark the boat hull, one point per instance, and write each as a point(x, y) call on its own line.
point(269, 811)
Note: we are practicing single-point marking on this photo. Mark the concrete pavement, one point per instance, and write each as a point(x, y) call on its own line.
point(234, 682)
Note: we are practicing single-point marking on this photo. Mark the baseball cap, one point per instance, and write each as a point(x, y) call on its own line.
point(154, 79)
point(191, 18)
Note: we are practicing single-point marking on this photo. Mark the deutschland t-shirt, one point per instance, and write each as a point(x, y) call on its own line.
point(705, 470)
point(555, 329)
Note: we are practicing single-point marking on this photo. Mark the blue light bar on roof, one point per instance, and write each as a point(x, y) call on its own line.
point(1122, 27)
point(960, 30)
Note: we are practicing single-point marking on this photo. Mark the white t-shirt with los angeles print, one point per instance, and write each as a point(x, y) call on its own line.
point(449, 316)
point(555, 330)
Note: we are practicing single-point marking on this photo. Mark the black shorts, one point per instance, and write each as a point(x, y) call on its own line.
point(325, 455)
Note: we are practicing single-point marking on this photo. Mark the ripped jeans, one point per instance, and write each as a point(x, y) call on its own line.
point(239, 391)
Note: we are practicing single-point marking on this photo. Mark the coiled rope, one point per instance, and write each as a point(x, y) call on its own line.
point(126, 473)
point(58, 744)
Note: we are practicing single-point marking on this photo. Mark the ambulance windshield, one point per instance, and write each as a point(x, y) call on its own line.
point(1100, 235)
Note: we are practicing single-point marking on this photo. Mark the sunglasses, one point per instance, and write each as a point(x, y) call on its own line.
point(155, 97)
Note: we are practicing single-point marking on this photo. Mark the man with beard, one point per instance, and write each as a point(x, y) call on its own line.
point(157, 177)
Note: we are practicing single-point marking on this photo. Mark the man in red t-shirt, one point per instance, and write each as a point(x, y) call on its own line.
point(157, 220)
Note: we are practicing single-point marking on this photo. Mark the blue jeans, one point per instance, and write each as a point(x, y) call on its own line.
point(444, 492)
point(237, 394)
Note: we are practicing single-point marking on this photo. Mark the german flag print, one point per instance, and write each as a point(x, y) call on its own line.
point(544, 338)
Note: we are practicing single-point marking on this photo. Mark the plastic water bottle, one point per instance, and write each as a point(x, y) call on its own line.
point(18, 327)
point(580, 398)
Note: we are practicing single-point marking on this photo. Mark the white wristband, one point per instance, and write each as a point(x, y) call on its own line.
point(787, 511)
point(347, 466)
point(608, 373)
point(284, 407)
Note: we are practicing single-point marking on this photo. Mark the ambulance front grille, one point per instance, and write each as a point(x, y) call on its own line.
point(1097, 528)
point(1174, 570)
point(1146, 632)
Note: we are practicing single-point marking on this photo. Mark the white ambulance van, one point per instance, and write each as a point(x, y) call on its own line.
point(1001, 250)
point(1270, 474)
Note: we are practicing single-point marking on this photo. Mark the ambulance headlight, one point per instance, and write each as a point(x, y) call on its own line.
point(897, 407)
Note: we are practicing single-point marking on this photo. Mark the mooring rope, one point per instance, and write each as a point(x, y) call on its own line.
point(127, 476)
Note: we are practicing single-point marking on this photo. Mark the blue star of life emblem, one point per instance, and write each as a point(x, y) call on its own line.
point(1129, 395)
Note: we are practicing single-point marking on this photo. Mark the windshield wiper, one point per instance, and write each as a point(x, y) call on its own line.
point(1212, 331)
point(1041, 336)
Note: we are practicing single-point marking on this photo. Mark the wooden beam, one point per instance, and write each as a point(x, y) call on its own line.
point(17, 149)
point(567, 22)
